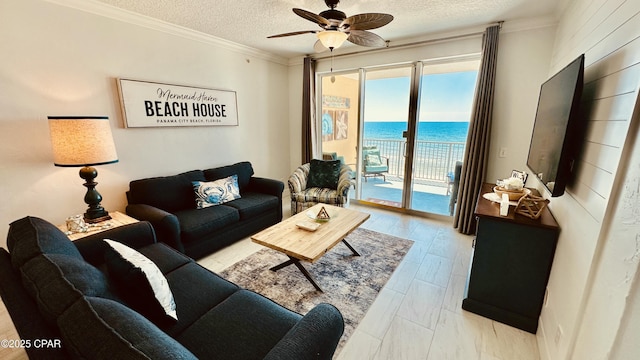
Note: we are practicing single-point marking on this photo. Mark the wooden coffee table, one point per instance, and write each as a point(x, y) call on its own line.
point(302, 245)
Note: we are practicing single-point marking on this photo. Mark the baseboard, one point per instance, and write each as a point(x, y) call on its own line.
point(542, 341)
point(286, 205)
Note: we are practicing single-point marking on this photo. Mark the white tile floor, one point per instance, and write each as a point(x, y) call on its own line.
point(418, 314)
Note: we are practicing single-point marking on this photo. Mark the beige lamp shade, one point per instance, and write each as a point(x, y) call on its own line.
point(332, 39)
point(82, 140)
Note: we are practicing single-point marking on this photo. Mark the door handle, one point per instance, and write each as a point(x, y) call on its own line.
point(405, 134)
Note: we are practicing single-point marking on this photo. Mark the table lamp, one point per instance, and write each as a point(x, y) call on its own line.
point(84, 141)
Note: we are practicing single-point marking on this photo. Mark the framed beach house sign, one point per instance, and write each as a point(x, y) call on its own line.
point(151, 104)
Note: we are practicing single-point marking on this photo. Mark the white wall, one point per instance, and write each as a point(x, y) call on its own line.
point(295, 116)
point(523, 65)
point(596, 259)
point(57, 60)
point(611, 320)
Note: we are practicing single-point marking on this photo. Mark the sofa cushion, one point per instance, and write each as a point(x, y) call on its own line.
point(196, 291)
point(253, 204)
point(169, 193)
point(244, 170)
point(196, 223)
point(56, 281)
point(85, 277)
point(32, 236)
point(141, 283)
point(373, 160)
point(217, 192)
point(245, 326)
point(166, 258)
point(377, 169)
point(324, 174)
point(95, 328)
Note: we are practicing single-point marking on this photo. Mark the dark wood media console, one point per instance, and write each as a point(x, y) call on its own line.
point(510, 265)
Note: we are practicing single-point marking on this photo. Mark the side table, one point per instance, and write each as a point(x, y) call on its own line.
point(117, 219)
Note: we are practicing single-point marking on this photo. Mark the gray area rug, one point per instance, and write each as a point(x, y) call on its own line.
point(351, 283)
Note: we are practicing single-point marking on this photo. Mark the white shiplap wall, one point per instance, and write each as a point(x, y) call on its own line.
point(608, 32)
point(585, 284)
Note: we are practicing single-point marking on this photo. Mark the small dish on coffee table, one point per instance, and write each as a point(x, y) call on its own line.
point(308, 225)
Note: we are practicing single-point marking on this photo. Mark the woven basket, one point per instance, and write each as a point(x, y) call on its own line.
point(514, 195)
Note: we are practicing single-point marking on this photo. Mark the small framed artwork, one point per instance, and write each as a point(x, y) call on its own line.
point(327, 125)
point(342, 125)
point(522, 175)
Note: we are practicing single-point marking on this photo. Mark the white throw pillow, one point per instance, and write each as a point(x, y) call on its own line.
point(136, 273)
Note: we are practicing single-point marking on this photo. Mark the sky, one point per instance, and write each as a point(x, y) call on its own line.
point(444, 97)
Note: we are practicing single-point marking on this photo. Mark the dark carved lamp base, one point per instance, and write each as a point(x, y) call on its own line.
point(95, 213)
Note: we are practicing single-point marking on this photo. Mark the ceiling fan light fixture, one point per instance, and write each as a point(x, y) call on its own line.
point(332, 39)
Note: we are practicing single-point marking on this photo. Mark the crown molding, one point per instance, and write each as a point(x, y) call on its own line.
point(526, 24)
point(112, 12)
point(511, 26)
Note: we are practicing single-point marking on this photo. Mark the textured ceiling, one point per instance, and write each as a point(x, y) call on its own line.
point(249, 22)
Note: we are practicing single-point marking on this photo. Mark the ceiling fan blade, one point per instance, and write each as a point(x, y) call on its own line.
point(311, 17)
point(293, 33)
point(318, 47)
point(367, 21)
point(366, 38)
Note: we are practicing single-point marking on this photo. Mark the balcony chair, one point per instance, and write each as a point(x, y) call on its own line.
point(332, 156)
point(373, 163)
point(303, 197)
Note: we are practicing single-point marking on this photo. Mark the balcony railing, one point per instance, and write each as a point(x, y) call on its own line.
point(433, 160)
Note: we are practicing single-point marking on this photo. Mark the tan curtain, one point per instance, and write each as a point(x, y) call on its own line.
point(477, 150)
point(308, 109)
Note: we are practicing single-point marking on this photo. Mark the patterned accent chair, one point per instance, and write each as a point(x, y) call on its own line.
point(303, 198)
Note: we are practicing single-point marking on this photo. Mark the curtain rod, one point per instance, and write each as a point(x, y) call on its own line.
point(417, 43)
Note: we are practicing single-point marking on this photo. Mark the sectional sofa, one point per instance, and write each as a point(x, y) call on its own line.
point(71, 293)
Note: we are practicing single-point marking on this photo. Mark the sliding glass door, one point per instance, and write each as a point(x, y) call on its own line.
point(384, 122)
point(445, 102)
point(402, 129)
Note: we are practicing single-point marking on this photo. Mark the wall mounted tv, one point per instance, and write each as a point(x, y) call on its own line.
point(558, 128)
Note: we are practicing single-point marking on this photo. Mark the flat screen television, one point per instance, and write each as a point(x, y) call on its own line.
point(558, 128)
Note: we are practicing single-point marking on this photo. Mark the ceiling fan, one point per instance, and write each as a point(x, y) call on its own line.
point(337, 27)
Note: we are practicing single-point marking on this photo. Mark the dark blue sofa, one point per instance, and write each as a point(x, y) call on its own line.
point(169, 204)
point(56, 289)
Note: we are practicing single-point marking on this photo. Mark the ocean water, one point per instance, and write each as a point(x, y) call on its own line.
point(447, 131)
